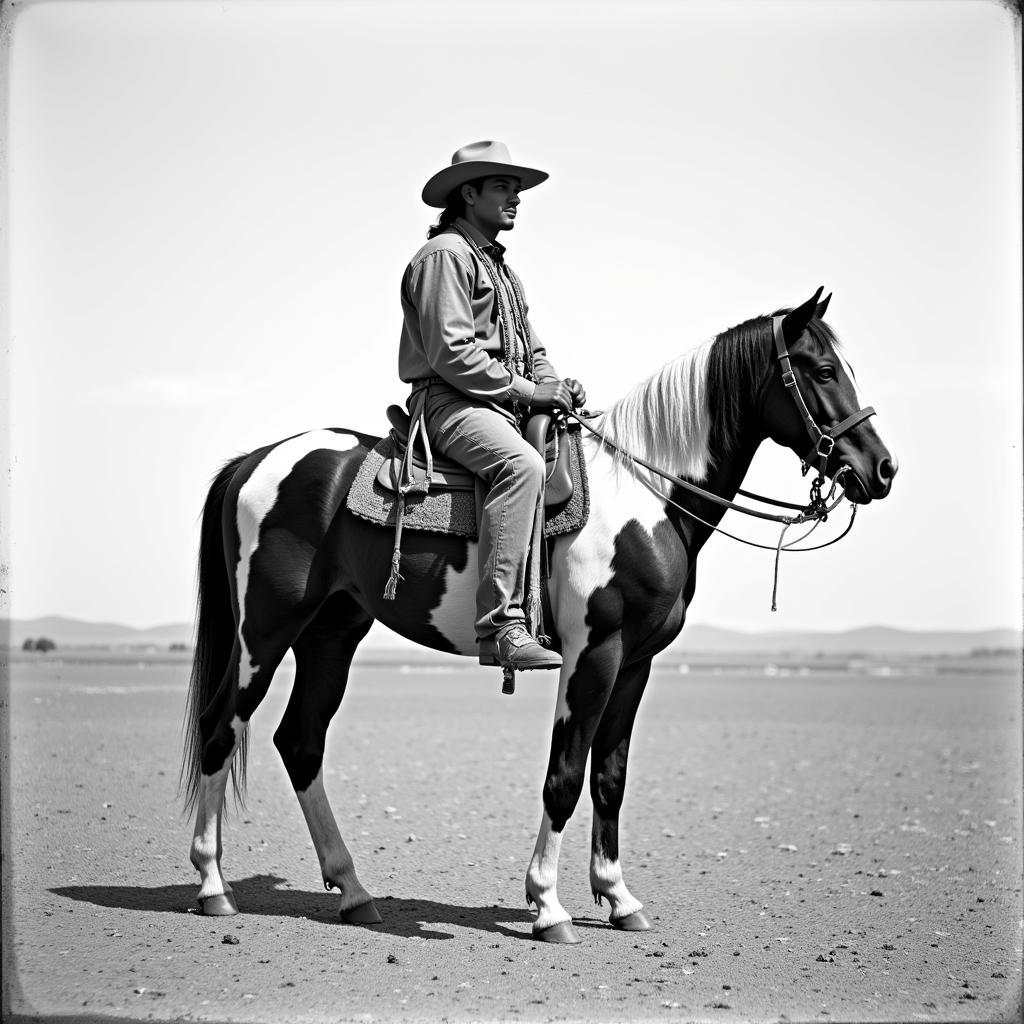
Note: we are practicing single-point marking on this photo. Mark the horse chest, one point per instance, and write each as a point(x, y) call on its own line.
point(638, 592)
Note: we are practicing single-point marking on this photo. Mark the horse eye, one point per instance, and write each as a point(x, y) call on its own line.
point(826, 373)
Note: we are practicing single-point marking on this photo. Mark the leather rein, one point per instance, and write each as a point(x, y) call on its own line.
point(818, 508)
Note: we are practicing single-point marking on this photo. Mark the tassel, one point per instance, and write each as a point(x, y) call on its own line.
point(392, 586)
point(535, 615)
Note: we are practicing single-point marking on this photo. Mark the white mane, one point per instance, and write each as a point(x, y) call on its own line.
point(665, 419)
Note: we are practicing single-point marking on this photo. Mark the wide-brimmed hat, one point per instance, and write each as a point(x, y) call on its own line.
point(478, 160)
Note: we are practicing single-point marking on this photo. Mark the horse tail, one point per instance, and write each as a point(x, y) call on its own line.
point(215, 637)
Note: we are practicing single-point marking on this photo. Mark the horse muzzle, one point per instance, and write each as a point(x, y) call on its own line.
point(864, 486)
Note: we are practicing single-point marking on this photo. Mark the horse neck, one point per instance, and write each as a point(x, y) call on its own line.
point(723, 480)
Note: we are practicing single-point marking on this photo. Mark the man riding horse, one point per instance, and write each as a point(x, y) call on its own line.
point(477, 369)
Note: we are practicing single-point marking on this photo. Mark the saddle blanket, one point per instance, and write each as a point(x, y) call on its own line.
point(454, 511)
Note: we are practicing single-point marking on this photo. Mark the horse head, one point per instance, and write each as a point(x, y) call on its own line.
point(812, 406)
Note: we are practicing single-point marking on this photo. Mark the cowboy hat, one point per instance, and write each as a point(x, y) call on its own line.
point(477, 160)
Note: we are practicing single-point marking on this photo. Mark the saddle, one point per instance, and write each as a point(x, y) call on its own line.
point(402, 485)
point(542, 431)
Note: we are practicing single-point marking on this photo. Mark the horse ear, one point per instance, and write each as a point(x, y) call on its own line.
point(794, 323)
point(822, 306)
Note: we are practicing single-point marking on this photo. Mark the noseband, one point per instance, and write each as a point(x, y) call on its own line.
point(822, 441)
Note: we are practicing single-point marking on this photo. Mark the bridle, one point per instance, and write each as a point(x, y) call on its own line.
point(822, 443)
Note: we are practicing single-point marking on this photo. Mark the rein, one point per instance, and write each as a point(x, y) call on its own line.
point(816, 511)
point(818, 508)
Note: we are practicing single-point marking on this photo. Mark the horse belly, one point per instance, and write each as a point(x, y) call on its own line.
point(435, 602)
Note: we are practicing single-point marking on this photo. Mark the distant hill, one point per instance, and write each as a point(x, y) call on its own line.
point(867, 639)
point(696, 638)
point(78, 633)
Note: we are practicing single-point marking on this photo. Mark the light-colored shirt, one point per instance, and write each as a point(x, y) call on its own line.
point(451, 327)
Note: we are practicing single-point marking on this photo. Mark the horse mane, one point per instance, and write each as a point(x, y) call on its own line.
point(689, 414)
point(665, 418)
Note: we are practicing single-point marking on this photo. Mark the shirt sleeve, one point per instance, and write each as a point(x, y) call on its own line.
point(439, 287)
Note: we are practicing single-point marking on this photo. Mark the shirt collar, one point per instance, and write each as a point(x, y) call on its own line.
point(489, 247)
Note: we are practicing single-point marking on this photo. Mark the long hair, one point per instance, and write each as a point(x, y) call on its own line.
point(666, 418)
point(689, 415)
point(454, 206)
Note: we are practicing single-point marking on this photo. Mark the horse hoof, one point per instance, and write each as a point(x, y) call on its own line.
point(562, 932)
point(365, 913)
point(635, 922)
point(223, 905)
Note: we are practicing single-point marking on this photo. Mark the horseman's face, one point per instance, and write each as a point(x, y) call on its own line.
point(492, 207)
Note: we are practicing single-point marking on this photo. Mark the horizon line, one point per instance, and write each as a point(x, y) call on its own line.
point(707, 625)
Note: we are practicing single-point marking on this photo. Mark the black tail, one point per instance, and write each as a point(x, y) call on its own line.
point(215, 636)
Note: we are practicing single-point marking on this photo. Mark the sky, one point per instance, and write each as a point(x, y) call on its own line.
point(210, 206)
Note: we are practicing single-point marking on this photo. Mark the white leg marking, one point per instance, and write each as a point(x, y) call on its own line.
point(206, 839)
point(542, 877)
point(256, 499)
point(606, 880)
point(455, 616)
point(238, 727)
point(336, 864)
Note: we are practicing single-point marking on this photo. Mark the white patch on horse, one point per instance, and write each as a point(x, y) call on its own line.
point(582, 563)
point(606, 880)
point(542, 877)
point(853, 380)
point(859, 399)
point(455, 617)
point(238, 727)
point(256, 498)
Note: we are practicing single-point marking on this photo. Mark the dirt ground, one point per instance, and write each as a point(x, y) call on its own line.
point(809, 847)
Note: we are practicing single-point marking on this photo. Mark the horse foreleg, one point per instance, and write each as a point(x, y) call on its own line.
point(585, 683)
point(323, 656)
point(609, 753)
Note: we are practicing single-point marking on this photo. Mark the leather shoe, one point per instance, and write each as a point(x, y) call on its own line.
point(514, 648)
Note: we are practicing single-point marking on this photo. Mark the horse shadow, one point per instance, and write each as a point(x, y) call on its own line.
point(263, 895)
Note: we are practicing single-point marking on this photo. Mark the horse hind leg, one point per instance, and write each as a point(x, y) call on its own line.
point(609, 753)
point(323, 657)
point(219, 741)
point(223, 740)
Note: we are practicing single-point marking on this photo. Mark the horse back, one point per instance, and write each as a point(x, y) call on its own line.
point(297, 485)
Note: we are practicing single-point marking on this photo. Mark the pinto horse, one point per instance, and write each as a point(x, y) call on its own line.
point(283, 564)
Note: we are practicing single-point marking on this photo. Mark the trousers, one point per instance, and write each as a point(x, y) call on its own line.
point(510, 501)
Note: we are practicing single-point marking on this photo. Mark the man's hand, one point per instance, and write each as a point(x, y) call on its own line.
point(553, 395)
point(579, 396)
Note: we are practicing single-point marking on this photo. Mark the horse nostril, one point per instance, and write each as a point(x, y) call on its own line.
point(887, 469)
